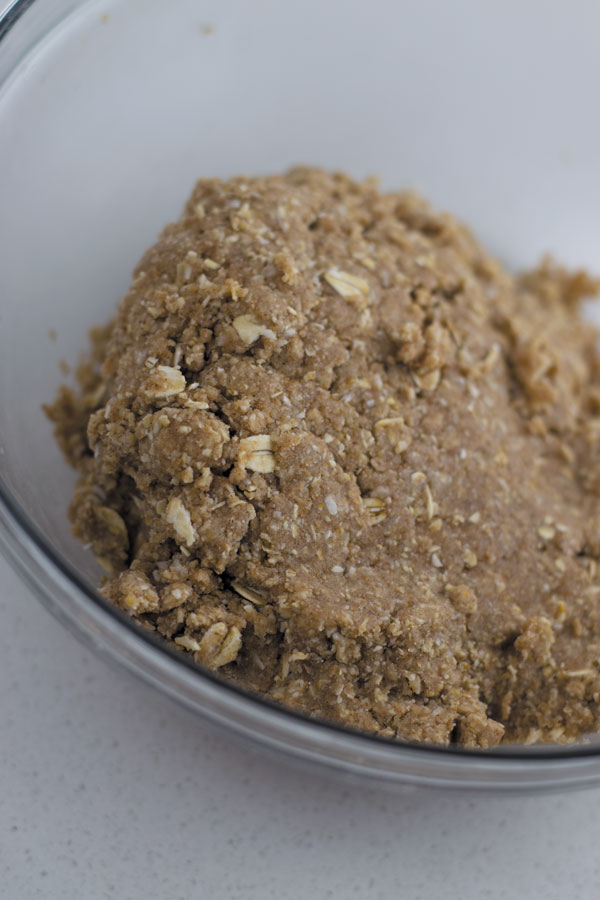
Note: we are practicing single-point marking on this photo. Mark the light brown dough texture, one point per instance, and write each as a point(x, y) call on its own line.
point(332, 449)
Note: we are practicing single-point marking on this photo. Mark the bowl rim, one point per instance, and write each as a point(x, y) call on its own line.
point(109, 631)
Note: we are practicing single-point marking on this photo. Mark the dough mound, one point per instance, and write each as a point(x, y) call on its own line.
point(332, 449)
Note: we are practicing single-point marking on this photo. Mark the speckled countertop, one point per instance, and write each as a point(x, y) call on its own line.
point(107, 790)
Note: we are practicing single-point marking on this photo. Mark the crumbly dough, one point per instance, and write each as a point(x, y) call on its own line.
point(331, 448)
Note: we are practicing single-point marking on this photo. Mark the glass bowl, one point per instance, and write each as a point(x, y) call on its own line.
point(108, 113)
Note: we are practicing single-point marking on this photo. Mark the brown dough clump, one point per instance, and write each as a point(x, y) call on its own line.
point(331, 448)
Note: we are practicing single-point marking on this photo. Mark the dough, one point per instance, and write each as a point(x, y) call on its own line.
point(332, 449)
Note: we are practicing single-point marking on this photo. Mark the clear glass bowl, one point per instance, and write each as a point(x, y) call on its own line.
point(109, 112)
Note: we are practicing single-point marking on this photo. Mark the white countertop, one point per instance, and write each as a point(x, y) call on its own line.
point(107, 790)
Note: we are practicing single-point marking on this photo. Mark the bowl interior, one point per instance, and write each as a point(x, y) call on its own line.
point(111, 117)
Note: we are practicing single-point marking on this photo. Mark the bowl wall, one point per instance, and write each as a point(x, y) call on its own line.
point(110, 111)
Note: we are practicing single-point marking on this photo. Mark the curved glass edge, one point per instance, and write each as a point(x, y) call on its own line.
point(24, 23)
point(10, 13)
point(102, 627)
